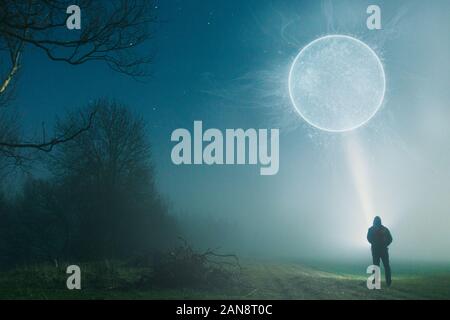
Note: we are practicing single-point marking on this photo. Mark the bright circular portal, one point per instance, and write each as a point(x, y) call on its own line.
point(337, 83)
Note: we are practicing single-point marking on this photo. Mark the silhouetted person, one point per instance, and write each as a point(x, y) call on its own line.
point(380, 238)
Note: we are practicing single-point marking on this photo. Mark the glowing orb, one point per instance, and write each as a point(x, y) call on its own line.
point(337, 83)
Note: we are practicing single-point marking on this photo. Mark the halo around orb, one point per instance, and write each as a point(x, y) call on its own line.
point(337, 83)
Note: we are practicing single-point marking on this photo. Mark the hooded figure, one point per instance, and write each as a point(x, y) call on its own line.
point(380, 238)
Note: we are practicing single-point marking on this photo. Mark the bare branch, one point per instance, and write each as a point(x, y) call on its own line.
point(111, 33)
point(48, 146)
point(14, 68)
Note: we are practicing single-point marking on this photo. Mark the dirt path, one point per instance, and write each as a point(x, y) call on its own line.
point(289, 281)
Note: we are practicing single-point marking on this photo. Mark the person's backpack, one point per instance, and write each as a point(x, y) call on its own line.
point(380, 236)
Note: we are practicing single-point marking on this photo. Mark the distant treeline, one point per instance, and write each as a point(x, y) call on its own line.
point(99, 200)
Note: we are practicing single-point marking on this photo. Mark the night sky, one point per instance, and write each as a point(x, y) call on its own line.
point(226, 63)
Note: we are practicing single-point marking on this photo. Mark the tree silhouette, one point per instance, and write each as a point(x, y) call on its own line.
point(110, 32)
point(108, 177)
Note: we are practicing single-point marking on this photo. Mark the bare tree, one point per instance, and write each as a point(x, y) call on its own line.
point(110, 32)
point(113, 151)
point(108, 175)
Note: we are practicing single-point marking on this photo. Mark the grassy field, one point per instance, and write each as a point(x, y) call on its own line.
point(258, 280)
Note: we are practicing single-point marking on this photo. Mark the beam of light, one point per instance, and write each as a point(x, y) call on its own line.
point(360, 176)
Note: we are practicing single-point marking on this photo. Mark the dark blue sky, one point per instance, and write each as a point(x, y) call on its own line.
point(196, 43)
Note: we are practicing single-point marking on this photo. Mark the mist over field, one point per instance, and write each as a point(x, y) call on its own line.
point(325, 195)
point(87, 175)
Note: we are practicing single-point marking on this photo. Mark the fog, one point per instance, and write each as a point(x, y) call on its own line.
point(208, 150)
point(330, 186)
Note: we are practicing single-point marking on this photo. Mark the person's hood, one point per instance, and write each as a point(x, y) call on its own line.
point(377, 222)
